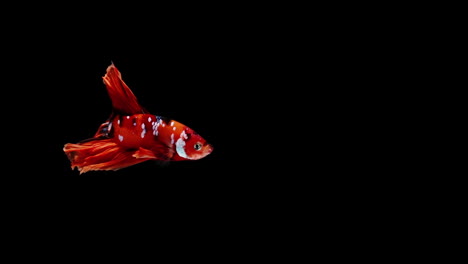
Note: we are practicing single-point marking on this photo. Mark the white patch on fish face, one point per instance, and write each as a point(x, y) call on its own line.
point(172, 139)
point(120, 138)
point(180, 145)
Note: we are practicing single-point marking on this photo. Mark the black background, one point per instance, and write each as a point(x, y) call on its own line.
point(224, 75)
point(280, 94)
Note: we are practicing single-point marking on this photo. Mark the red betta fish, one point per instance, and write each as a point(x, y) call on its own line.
point(131, 135)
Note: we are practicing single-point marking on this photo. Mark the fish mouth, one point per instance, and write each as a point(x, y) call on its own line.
point(208, 149)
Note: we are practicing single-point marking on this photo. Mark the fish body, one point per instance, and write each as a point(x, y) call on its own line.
point(131, 135)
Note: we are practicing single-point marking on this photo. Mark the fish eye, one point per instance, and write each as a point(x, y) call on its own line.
point(197, 146)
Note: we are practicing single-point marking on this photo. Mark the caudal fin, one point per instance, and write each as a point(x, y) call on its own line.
point(100, 154)
point(123, 99)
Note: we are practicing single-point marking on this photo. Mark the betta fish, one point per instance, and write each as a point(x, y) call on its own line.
point(132, 135)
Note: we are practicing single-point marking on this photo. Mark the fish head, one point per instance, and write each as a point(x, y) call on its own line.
point(192, 146)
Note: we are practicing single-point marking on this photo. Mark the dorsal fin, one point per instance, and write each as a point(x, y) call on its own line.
point(123, 99)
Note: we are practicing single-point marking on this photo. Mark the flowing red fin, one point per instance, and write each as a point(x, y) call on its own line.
point(100, 154)
point(123, 99)
point(160, 152)
point(144, 153)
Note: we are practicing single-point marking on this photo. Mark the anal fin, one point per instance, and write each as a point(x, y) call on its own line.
point(100, 154)
point(142, 153)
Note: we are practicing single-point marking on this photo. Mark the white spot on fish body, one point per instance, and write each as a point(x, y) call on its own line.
point(149, 118)
point(172, 138)
point(128, 117)
point(174, 128)
point(172, 123)
point(120, 138)
point(183, 135)
point(143, 131)
point(118, 122)
point(155, 128)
